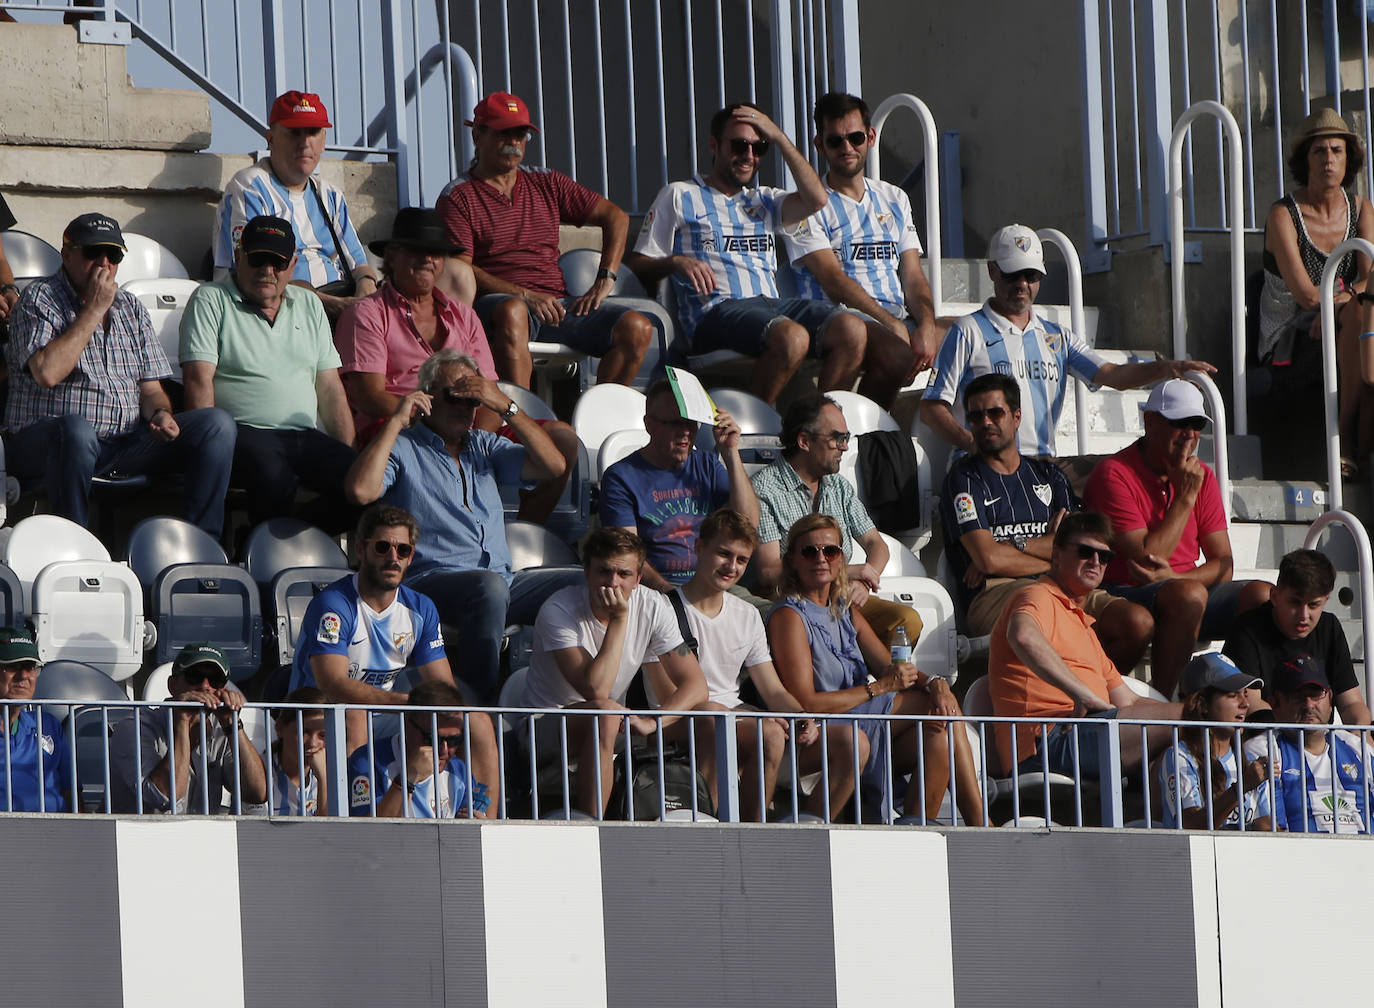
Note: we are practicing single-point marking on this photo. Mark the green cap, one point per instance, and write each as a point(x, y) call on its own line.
point(198, 653)
point(16, 646)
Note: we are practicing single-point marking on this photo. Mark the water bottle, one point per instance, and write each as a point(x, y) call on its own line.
point(901, 645)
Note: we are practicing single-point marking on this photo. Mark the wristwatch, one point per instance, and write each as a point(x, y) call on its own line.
point(508, 414)
point(605, 274)
point(1365, 297)
point(1019, 542)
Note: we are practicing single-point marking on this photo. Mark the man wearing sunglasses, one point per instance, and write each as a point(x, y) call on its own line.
point(506, 217)
point(862, 251)
point(1045, 661)
point(999, 511)
point(262, 349)
point(85, 388)
point(715, 238)
point(432, 460)
point(1174, 550)
point(1008, 335)
point(187, 759)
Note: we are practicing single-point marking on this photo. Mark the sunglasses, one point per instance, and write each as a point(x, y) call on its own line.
point(839, 438)
point(993, 413)
point(452, 741)
point(1086, 552)
point(837, 140)
point(830, 551)
point(458, 399)
point(260, 259)
point(197, 674)
point(1193, 423)
point(1030, 276)
point(110, 252)
point(739, 146)
point(383, 548)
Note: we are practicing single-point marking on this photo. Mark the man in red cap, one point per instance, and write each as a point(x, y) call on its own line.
point(507, 219)
point(330, 259)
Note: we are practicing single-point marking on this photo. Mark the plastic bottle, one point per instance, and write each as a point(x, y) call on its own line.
point(901, 645)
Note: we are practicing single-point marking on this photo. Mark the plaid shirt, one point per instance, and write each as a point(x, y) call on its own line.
point(103, 386)
point(784, 498)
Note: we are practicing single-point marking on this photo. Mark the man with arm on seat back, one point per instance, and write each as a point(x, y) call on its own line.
point(714, 237)
point(1009, 336)
point(85, 388)
point(806, 478)
point(664, 490)
point(1167, 509)
point(261, 348)
point(999, 511)
point(506, 217)
point(285, 184)
point(31, 730)
point(179, 765)
point(590, 641)
point(1045, 661)
point(430, 459)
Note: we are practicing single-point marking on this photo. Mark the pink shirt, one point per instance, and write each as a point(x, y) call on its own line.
point(377, 335)
point(1133, 496)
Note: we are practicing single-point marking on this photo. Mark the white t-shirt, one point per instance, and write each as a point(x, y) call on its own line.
point(566, 620)
point(727, 642)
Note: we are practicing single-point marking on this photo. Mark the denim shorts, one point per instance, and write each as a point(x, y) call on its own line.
point(1216, 618)
point(1057, 744)
point(741, 324)
point(589, 334)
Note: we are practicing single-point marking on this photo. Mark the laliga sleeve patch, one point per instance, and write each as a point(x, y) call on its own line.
point(329, 629)
point(964, 509)
point(361, 790)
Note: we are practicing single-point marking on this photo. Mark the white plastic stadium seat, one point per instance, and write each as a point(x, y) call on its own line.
point(753, 415)
point(571, 516)
point(165, 299)
point(40, 540)
point(533, 545)
point(937, 650)
point(579, 268)
point(29, 256)
point(90, 611)
point(604, 409)
point(530, 404)
point(159, 542)
point(617, 446)
point(149, 259)
point(901, 562)
point(280, 543)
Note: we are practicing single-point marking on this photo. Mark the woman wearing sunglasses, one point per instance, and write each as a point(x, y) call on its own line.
point(825, 651)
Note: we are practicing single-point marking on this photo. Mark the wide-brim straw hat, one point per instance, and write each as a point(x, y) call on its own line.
point(1327, 122)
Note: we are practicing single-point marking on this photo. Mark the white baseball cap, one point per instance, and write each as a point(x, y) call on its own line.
point(1175, 399)
point(1015, 248)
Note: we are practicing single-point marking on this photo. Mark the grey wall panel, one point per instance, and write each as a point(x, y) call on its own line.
point(462, 897)
point(60, 926)
point(1066, 918)
point(693, 911)
point(350, 913)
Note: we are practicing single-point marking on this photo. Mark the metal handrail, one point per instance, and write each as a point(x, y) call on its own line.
point(1077, 320)
point(1236, 198)
point(1221, 461)
point(930, 141)
point(1365, 558)
point(1334, 498)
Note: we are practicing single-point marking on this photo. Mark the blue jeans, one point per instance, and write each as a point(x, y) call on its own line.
point(1058, 740)
point(66, 452)
point(1216, 618)
point(479, 605)
point(271, 464)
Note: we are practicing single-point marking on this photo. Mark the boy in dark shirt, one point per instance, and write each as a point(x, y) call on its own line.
point(1293, 623)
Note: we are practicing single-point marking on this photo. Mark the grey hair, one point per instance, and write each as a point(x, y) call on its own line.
point(430, 369)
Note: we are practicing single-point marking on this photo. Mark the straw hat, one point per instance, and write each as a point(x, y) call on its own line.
point(1327, 122)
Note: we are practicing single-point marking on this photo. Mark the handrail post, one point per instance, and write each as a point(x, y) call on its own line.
point(1221, 460)
point(1365, 557)
point(1236, 198)
point(1077, 319)
point(1328, 317)
point(930, 142)
point(727, 768)
point(393, 86)
point(1109, 773)
point(336, 759)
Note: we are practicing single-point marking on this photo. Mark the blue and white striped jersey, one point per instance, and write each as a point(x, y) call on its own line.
point(286, 795)
point(734, 235)
point(1040, 358)
point(378, 644)
point(443, 797)
point(255, 191)
point(868, 236)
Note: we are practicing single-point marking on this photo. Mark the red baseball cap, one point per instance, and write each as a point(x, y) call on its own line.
point(299, 108)
point(501, 111)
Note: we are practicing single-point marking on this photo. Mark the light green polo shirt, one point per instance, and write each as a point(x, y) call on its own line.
point(264, 372)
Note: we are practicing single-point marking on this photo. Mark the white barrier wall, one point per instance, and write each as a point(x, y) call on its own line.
point(110, 911)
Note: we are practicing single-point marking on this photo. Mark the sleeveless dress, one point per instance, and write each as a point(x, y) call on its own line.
point(836, 664)
point(1280, 317)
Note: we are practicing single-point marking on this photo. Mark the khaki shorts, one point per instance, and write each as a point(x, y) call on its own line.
point(988, 604)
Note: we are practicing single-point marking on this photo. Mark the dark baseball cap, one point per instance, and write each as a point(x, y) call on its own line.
point(94, 229)
point(16, 646)
point(1299, 671)
point(201, 653)
point(269, 234)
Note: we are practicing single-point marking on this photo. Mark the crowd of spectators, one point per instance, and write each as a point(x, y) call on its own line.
point(369, 403)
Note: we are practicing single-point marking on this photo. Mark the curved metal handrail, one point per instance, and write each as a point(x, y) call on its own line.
point(1236, 200)
point(1331, 400)
point(1221, 458)
point(1077, 320)
point(932, 155)
point(1364, 556)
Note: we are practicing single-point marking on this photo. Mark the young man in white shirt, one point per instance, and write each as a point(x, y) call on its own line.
point(590, 641)
point(729, 640)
